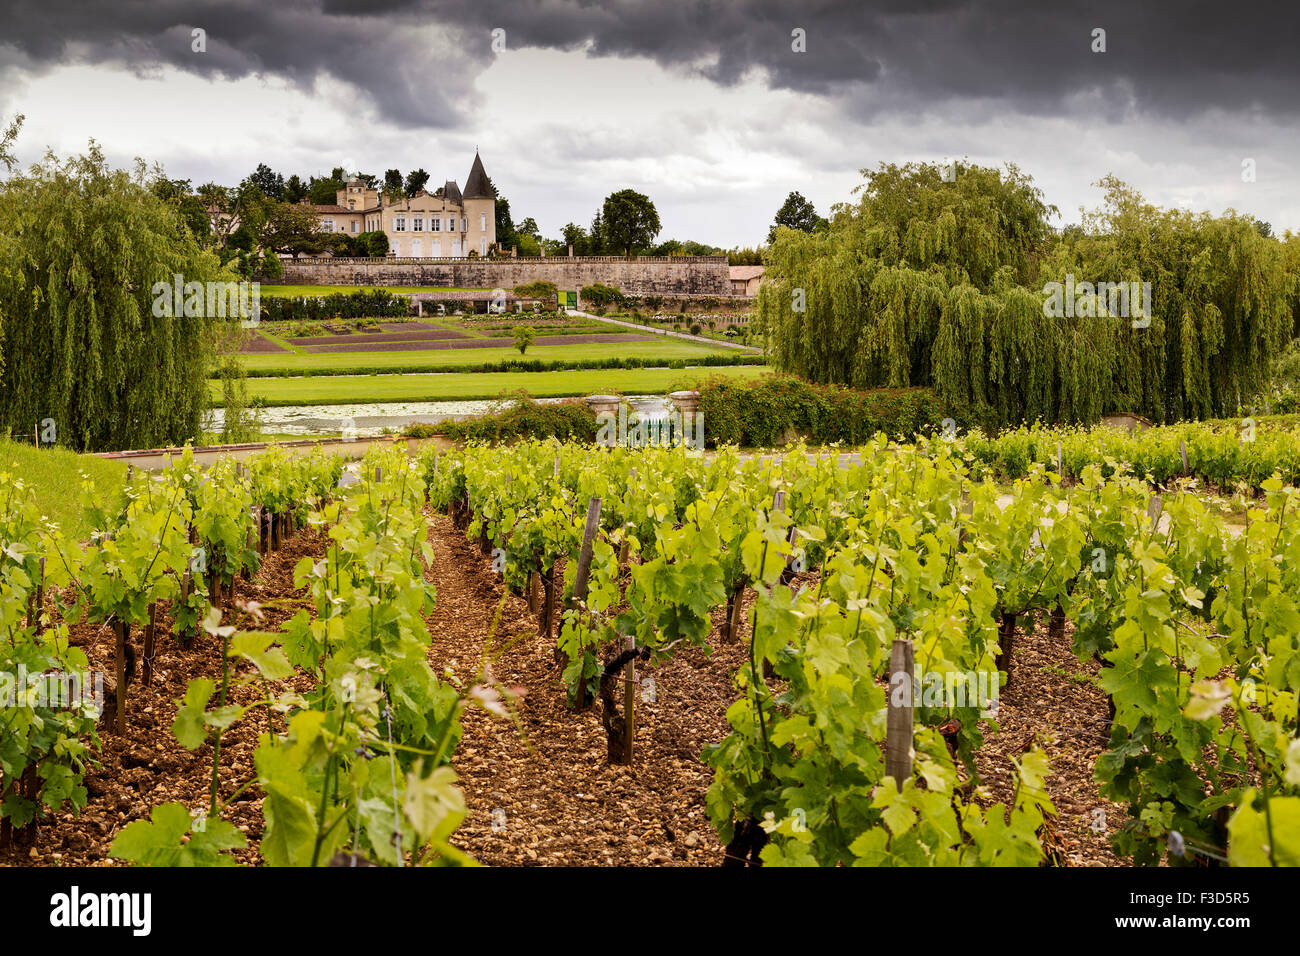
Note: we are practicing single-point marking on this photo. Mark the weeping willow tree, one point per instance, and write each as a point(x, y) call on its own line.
point(940, 282)
point(1221, 306)
point(83, 246)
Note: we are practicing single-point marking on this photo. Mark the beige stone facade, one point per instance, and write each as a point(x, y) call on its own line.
point(745, 279)
point(445, 224)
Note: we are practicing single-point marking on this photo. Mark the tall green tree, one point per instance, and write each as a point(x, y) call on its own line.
point(268, 180)
point(796, 213)
point(181, 194)
point(629, 221)
point(394, 184)
point(7, 138)
point(295, 190)
point(416, 180)
point(574, 235)
point(934, 281)
point(84, 246)
point(323, 190)
point(505, 226)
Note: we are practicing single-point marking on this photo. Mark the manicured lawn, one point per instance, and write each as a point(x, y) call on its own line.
point(293, 290)
point(55, 473)
point(330, 390)
point(299, 361)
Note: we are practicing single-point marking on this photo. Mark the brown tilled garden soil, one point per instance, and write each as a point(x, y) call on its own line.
point(541, 792)
point(409, 344)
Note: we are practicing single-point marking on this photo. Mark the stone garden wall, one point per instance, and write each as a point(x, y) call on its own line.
point(645, 275)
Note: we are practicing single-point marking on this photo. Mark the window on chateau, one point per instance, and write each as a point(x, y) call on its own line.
point(327, 225)
point(399, 224)
point(355, 225)
point(482, 221)
point(418, 224)
point(435, 224)
point(464, 225)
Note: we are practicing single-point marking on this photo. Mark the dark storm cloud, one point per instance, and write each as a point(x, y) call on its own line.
point(1170, 60)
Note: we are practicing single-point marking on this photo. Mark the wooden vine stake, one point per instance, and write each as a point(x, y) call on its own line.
point(36, 602)
point(1154, 508)
point(583, 572)
point(1182, 450)
point(534, 581)
point(898, 729)
point(629, 702)
point(119, 668)
point(545, 622)
point(149, 629)
point(186, 585)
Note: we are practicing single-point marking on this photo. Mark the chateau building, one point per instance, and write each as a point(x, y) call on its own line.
point(446, 223)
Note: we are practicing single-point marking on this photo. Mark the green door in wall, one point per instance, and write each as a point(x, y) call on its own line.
point(570, 300)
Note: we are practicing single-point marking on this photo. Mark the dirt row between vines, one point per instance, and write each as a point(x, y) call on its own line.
point(147, 766)
point(561, 802)
point(543, 792)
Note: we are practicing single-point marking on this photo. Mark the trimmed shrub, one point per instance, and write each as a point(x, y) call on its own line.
point(541, 289)
point(353, 305)
point(771, 410)
point(571, 420)
point(601, 295)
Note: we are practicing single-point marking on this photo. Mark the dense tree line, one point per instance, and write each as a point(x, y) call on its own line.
point(942, 281)
point(83, 347)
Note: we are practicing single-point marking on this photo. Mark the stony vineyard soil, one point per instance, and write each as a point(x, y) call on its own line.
point(540, 791)
point(148, 766)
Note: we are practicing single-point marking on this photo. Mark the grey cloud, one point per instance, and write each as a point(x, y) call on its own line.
point(416, 59)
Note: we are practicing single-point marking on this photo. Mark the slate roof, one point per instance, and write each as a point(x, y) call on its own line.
point(477, 187)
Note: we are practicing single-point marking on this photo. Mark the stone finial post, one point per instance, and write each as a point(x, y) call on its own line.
point(604, 405)
point(570, 250)
point(688, 403)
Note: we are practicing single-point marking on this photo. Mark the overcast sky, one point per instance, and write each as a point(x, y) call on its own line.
point(704, 106)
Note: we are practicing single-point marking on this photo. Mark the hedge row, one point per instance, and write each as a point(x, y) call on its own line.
point(517, 365)
point(571, 420)
point(351, 305)
point(771, 410)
